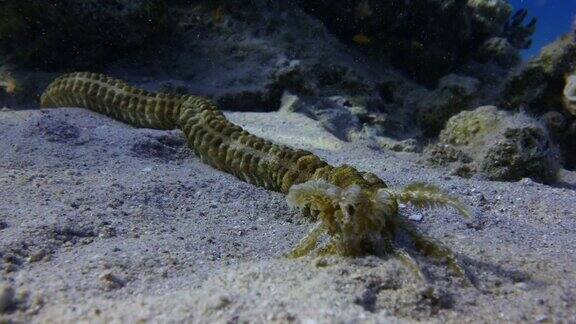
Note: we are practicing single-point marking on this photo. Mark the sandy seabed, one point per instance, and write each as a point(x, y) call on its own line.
point(102, 222)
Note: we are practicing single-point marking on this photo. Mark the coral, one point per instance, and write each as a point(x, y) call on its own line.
point(519, 35)
point(500, 51)
point(560, 124)
point(569, 94)
point(541, 86)
point(454, 94)
point(427, 39)
point(444, 154)
point(7, 297)
point(522, 152)
point(555, 122)
point(467, 126)
point(538, 85)
point(501, 146)
point(355, 208)
point(490, 16)
point(78, 33)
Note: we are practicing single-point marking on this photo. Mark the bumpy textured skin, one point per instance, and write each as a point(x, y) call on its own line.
point(217, 141)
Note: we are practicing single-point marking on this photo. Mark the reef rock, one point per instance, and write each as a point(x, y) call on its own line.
point(490, 16)
point(335, 114)
point(453, 94)
point(570, 95)
point(556, 123)
point(500, 51)
point(538, 85)
point(570, 140)
point(496, 144)
point(427, 38)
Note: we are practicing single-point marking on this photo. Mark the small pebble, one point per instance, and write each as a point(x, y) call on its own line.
point(10, 267)
point(107, 232)
point(526, 181)
point(416, 217)
point(219, 302)
point(320, 263)
point(522, 286)
point(309, 321)
point(111, 281)
point(216, 303)
point(36, 256)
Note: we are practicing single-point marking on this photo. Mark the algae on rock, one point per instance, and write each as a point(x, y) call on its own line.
point(541, 87)
point(498, 145)
point(538, 85)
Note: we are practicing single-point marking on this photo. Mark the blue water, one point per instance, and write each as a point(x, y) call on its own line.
point(555, 18)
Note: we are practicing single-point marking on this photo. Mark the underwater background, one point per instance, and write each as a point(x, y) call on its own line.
point(154, 155)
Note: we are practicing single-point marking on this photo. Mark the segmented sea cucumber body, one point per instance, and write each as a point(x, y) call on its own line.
point(217, 141)
point(355, 208)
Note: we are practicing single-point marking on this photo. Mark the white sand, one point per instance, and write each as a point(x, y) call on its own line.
point(103, 222)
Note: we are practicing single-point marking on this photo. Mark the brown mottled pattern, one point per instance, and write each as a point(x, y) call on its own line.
point(217, 141)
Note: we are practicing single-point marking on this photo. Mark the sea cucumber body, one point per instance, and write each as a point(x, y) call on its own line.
point(217, 141)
